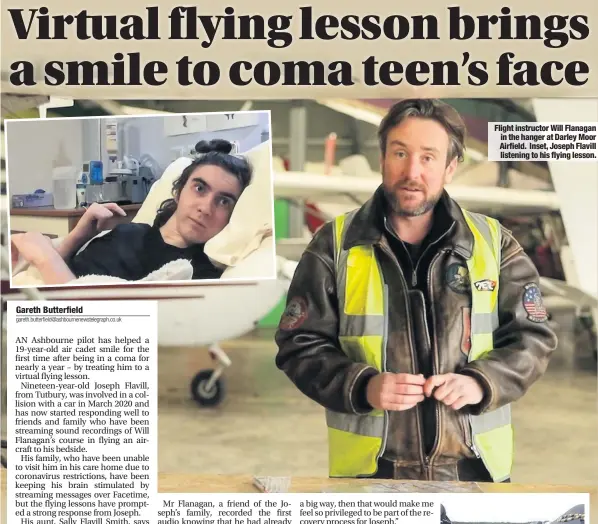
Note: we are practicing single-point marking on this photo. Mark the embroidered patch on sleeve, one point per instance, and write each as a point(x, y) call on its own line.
point(533, 303)
point(294, 315)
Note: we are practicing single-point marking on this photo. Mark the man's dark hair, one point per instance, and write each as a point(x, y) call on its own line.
point(432, 109)
point(213, 153)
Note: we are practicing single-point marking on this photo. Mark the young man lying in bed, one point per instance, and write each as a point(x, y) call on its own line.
point(204, 197)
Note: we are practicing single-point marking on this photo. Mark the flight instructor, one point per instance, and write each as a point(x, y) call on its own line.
point(414, 322)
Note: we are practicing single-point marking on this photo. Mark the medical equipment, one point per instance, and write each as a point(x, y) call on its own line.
point(81, 185)
point(94, 193)
point(64, 187)
point(38, 198)
point(111, 137)
point(136, 188)
point(128, 182)
point(113, 189)
point(119, 184)
point(90, 183)
point(94, 170)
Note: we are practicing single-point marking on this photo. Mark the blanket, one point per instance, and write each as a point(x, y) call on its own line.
point(173, 271)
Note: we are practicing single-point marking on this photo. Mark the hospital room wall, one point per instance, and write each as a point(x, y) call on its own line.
point(146, 136)
point(35, 147)
point(79, 140)
point(248, 137)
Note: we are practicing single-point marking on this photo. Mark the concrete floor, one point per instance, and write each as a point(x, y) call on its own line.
point(266, 427)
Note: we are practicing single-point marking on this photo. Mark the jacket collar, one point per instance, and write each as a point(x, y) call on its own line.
point(367, 226)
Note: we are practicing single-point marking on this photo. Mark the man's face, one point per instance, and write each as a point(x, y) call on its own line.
point(414, 168)
point(206, 203)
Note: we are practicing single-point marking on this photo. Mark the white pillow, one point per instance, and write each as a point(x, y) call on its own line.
point(260, 263)
point(251, 221)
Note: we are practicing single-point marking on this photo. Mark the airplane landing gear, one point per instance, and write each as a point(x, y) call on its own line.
point(207, 387)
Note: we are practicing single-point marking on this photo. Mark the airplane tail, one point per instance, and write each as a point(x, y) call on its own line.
point(443, 516)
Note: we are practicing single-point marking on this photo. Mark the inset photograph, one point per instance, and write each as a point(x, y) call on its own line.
point(140, 199)
point(530, 513)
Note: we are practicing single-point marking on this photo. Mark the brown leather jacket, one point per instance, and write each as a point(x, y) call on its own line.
point(311, 357)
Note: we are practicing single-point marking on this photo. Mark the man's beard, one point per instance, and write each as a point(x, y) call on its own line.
point(395, 205)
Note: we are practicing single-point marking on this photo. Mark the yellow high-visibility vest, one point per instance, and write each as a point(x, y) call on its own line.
point(357, 441)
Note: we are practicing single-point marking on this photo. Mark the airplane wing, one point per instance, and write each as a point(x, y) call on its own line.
point(13, 104)
point(337, 193)
point(337, 188)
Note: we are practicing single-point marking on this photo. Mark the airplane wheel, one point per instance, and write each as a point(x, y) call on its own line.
point(204, 397)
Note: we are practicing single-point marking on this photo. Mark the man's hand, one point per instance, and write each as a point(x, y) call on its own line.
point(395, 391)
point(34, 247)
point(97, 218)
point(454, 390)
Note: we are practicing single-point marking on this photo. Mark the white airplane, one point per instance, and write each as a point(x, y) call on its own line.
point(576, 515)
point(182, 306)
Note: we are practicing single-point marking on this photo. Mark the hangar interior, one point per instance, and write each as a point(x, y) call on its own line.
point(264, 426)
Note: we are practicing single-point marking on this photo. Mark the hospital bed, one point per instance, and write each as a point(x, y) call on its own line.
point(245, 248)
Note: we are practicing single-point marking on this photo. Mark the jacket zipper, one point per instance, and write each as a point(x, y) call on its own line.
point(427, 459)
point(384, 343)
point(388, 252)
point(435, 359)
